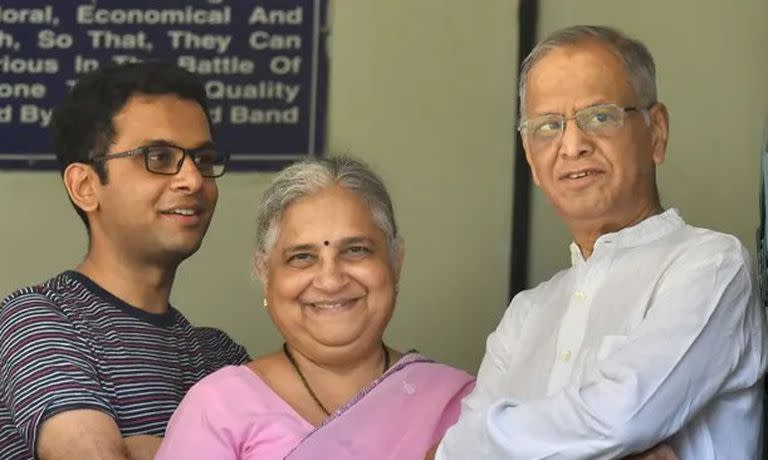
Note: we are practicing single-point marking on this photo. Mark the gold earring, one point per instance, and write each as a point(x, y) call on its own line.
point(266, 305)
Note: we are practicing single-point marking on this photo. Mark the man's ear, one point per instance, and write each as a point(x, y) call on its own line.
point(659, 132)
point(81, 181)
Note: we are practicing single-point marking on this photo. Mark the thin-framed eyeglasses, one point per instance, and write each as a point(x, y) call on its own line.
point(166, 159)
point(600, 120)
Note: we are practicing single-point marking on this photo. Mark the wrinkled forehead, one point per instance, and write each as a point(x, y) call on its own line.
point(575, 76)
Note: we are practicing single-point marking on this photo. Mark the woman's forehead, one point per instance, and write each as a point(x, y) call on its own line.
point(331, 214)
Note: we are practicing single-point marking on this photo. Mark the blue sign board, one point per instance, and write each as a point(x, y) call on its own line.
point(263, 64)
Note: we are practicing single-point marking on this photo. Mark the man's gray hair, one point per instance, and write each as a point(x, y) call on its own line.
point(308, 177)
point(634, 55)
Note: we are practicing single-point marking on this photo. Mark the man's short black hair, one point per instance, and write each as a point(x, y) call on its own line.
point(82, 125)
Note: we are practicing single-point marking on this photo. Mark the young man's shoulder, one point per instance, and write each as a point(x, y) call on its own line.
point(219, 343)
point(47, 296)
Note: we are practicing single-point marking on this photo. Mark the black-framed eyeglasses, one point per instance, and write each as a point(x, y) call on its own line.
point(166, 159)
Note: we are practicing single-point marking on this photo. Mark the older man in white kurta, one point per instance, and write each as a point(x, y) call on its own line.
point(655, 334)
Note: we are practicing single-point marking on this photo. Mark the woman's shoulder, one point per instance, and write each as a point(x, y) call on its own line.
point(264, 366)
point(240, 399)
point(237, 386)
point(218, 385)
point(431, 367)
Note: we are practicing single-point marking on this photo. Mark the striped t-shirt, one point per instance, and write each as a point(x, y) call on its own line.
point(69, 344)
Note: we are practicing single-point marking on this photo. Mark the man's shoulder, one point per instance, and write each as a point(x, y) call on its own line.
point(219, 343)
point(703, 243)
point(36, 299)
point(211, 335)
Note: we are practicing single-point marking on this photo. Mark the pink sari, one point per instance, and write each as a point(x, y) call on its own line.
point(399, 416)
point(233, 415)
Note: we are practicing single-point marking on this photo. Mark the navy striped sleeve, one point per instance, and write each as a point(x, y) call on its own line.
point(221, 347)
point(45, 366)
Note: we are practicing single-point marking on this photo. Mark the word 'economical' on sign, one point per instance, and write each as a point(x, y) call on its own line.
point(262, 62)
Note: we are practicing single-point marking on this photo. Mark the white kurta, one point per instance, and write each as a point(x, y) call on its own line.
point(659, 335)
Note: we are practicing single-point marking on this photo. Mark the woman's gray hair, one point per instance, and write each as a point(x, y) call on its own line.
point(309, 177)
point(636, 58)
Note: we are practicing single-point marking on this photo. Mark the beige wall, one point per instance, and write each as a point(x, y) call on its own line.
point(712, 69)
point(424, 91)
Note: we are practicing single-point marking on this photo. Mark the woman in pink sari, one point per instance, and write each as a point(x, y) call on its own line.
point(328, 255)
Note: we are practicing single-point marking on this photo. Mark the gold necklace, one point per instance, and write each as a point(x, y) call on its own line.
point(309, 388)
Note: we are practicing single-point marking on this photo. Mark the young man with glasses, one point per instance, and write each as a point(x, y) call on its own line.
point(654, 335)
point(94, 361)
